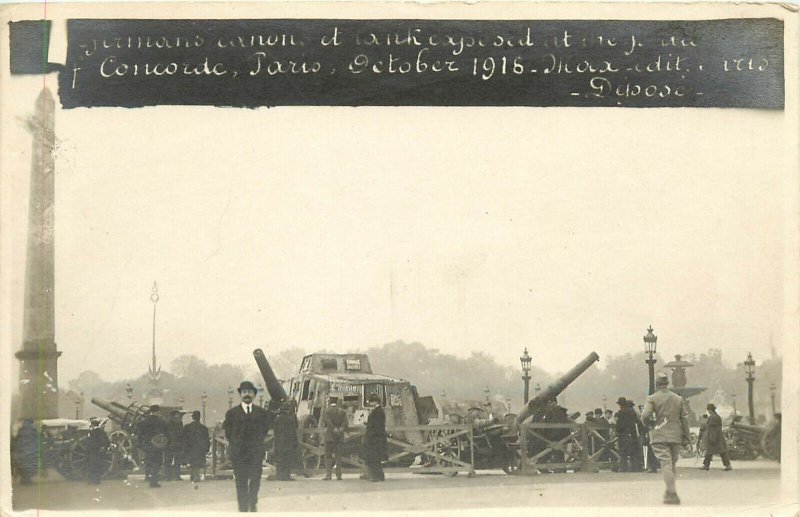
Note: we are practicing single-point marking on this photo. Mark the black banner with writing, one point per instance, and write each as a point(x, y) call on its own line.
point(317, 62)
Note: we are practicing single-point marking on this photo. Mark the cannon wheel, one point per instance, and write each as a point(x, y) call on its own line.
point(310, 461)
point(771, 443)
point(78, 459)
point(122, 445)
point(448, 448)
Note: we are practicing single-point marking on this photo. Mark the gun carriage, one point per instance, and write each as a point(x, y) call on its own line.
point(746, 441)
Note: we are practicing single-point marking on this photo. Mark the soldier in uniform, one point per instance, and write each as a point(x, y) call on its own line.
point(666, 412)
point(152, 441)
point(714, 440)
point(335, 421)
point(246, 427)
point(174, 447)
point(285, 441)
point(96, 444)
point(24, 453)
point(196, 442)
point(375, 449)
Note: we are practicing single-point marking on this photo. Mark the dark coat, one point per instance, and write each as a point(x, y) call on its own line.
point(194, 437)
point(715, 440)
point(627, 422)
point(174, 434)
point(285, 438)
point(246, 434)
point(335, 422)
point(97, 441)
point(24, 449)
point(376, 449)
point(150, 427)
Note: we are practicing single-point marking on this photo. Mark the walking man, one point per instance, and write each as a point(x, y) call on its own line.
point(152, 441)
point(335, 421)
point(376, 449)
point(246, 427)
point(665, 412)
point(96, 445)
point(714, 440)
point(195, 445)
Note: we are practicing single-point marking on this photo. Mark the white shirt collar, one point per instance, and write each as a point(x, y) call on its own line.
point(247, 407)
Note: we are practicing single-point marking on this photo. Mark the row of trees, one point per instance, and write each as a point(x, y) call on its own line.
point(434, 373)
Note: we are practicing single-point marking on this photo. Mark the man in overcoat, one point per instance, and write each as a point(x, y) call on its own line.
point(174, 449)
point(285, 441)
point(152, 436)
point(665, 412)
point(376, 448)
point(715, 440)
point(627, 436)
point(96, 444)
point(196, 443)
point(246, 426)
point(26, 451)
point(335, 422)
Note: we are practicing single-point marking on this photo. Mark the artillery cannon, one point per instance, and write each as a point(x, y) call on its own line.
point(756, 439)
point(63, 446)
point(123, 440)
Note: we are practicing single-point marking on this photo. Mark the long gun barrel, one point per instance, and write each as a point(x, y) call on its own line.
point(114, 410)
point(274, 386)
point(555, 389)
point(748, 428)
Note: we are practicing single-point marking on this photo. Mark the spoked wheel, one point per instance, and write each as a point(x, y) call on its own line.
point(448, 448)
point(310, 460)
point(771, 443)
point(123, 451)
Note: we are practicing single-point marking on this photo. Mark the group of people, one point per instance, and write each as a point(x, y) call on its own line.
point(168, 444)
point(247, 424)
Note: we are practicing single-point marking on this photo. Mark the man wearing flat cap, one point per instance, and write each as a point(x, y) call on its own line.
point(714, 440)
point(665, 413)
point(246, 427)
point(196, 442)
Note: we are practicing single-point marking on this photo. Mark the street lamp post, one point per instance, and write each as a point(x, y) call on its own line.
point(733, 398)
point(203, 399)
point(650, 341)
point(260, 395)
point(536, 389)
point(230, 397)
point(129, 390)
point(772, 396)
point(749, 368)
point(525, 360)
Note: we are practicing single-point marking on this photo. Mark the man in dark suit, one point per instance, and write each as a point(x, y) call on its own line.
point(335, 421)
point(246, 427)
point(152, 435)
point(196, 442)
point(714, 440)
point(375, 449)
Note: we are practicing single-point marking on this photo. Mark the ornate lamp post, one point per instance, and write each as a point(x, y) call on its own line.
point(749, 368)
point(129, 390)
point(525, 360)
point(230, 397)
point(260, 395)
point(733, 399)
point(772, 397)
point(203, 399)
point(650, 341)
point(536, 389)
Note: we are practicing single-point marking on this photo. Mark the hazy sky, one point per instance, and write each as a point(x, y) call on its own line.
point(480, 229)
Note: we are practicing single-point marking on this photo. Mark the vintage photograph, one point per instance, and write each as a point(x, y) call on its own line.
point(373, 257)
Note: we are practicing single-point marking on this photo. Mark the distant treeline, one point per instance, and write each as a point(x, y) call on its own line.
point(434, 373)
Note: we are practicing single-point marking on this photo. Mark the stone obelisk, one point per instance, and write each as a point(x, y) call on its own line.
point(38, 358)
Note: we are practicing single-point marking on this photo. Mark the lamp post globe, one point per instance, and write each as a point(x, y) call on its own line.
point(525, 360)
point(650, 342)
